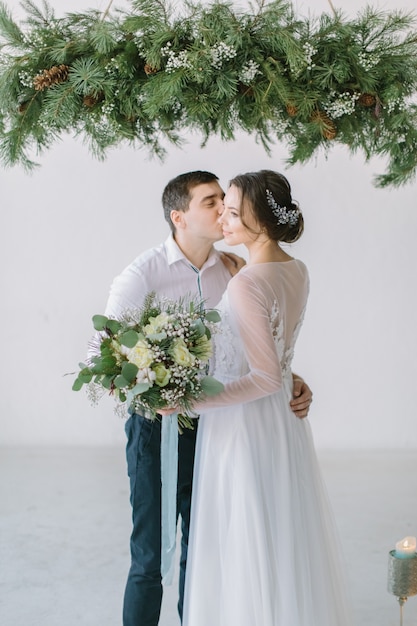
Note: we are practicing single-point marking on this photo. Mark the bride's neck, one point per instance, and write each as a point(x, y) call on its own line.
point(266, 252)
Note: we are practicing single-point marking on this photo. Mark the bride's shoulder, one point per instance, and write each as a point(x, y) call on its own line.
point(244, 275)
point(246, 281)
point(302, 267)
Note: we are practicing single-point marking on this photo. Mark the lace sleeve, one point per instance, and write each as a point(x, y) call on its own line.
point(250, 312)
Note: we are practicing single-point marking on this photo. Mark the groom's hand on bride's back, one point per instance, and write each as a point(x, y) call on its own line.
point(233, 262)
point(302, 397)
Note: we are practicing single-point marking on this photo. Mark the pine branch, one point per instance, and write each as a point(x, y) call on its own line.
point(9, 30)
point(37, 17)
point(157, 9)
point(145, 75)
point(107, 11)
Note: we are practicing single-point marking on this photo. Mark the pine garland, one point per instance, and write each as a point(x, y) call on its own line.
point(147, 75)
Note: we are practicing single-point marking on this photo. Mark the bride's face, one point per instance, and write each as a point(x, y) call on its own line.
point(234, 231)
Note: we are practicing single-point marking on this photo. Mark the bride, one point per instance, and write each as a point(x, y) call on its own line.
point(262, 550)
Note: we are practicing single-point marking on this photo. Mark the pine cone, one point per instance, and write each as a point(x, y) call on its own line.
point(55, 75)
point(149, 69)
point(367, 100)
point(245, 90)
point(22, 107)
point(91, 100)
point(291, 109)
point(377, 110)
point(330, 133)
point(327, 126)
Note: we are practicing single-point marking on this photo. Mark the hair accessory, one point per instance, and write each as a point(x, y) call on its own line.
point(282, 213)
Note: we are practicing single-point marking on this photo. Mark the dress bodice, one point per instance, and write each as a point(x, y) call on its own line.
point(261, 315)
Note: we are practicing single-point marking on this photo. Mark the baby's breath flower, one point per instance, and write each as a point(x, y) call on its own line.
point(138, 41)
point(26, 78)
point(307, 63)
point(248, 72)
point(107, 108)
point(221, 52)
point(309, 51)
point(95, 393)
point(35, 40)
point(395, 103)
point(343, 104)
point(105, 127)
point(368, 60)
point(112, 67)
point(281, 127)
point(175, 60)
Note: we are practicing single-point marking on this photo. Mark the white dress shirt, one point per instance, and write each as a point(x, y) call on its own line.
point(165, 270)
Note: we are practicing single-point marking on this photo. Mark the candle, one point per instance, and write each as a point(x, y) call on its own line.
point(406, 548)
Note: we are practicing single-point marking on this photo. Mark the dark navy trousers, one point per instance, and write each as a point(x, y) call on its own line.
point(143, 594)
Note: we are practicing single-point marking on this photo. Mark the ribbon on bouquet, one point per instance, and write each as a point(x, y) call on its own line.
point(169, 471)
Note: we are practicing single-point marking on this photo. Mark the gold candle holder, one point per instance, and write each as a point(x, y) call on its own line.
point(402, 578)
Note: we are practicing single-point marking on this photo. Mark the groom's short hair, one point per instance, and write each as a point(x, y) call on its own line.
point(177, 193)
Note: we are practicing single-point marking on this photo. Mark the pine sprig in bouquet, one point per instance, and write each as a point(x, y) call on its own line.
point(153, 358)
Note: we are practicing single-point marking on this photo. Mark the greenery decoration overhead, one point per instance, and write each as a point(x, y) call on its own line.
point(146, 75)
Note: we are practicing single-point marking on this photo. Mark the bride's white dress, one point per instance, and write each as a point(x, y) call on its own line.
point(262, 548)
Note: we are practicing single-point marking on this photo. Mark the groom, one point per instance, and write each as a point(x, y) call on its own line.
point(186, 263)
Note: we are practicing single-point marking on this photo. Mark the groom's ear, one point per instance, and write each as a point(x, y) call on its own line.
point(177, 218)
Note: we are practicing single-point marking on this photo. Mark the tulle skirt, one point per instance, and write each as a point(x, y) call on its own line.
point(263, 549)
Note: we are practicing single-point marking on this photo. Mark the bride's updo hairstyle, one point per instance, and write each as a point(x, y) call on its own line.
point(267, 195)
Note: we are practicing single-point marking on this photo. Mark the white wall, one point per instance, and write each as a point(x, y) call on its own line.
point(69, 228)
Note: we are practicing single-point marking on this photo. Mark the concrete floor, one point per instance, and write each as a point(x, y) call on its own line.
point(65, 525)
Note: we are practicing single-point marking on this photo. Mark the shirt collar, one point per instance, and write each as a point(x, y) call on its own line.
point(175, 254)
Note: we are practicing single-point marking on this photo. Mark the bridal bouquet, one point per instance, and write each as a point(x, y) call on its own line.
point(154, 357)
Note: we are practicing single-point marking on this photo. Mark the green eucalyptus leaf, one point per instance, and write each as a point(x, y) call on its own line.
point(97, 367)
point(107, 381)
point(213, 316)
point(100, 322)
point(108, 363)
point(198, 327)
point(129, 338)
point(121, 382)
point(85, 375)
point(211, 386)
point(105, 348)
point(140, 388)
point(137, 390)
point(77, 384)
point(129, 371)
point(114, 326)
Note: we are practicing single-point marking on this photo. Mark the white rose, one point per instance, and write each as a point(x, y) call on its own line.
point(141, 355)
